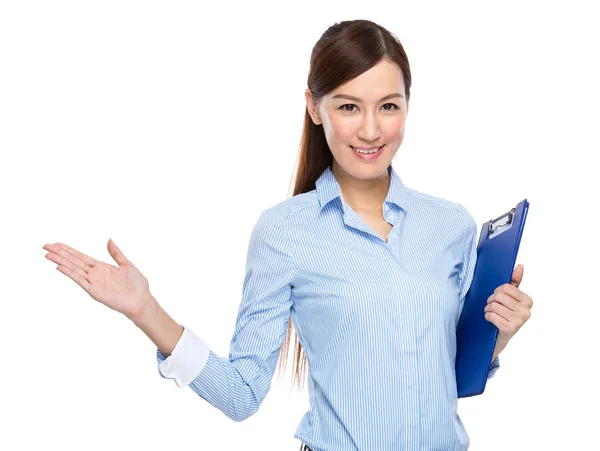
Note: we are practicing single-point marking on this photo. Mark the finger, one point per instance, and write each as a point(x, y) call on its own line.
point(517, 276)
point(497, 320)
point(512, 291)
point(81, 281)
point(518, 294)
point(504, 299)
point(80, 255)
point(502, 311)
point(66, 264)
point(67, 257)
point(116, 253)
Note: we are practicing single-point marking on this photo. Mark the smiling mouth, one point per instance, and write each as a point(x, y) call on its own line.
point(370, 151)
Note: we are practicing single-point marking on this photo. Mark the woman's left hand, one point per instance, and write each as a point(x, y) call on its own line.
point(508, 308)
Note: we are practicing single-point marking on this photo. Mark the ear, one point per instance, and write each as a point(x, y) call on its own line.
point(311, 106)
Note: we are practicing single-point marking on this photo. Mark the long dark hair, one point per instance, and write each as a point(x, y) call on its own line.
point(343, 52)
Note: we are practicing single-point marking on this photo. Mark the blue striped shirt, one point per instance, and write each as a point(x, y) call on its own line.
point(377, 320)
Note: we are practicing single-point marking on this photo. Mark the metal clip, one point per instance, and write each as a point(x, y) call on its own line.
point(510, 215)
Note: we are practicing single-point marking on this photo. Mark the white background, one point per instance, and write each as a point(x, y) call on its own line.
point(169, 127)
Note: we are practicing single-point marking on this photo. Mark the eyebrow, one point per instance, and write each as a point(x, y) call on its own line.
point(356, 99)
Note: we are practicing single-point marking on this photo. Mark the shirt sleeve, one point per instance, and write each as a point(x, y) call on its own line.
point(467, 270)
point(238, 384)
point(469, 249)
point(186, 360)
point(494, 367)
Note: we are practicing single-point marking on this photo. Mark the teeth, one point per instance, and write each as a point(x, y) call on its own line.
point(366, 151)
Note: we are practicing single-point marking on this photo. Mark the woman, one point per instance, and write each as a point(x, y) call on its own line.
point(354, 262)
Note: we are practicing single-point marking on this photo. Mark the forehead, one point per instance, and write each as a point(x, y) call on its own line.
point(382, 79)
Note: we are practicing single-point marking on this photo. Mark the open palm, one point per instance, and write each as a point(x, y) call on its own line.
point(123, 288)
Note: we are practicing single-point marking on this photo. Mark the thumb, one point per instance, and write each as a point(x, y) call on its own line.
point(517, 276)
point(116, 253)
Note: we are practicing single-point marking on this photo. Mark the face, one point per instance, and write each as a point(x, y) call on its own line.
point(363, 113)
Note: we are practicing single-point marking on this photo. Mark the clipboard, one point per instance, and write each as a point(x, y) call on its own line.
point(497, 250)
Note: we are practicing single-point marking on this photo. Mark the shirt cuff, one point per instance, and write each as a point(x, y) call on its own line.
point(186, 361)
point(494, 367)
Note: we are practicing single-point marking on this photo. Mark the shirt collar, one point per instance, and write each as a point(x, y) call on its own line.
point(328, 188)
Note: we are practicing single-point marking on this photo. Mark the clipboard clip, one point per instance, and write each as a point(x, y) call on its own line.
point(492, 227)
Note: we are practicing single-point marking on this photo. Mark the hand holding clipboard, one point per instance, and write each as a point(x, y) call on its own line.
point(475, 336)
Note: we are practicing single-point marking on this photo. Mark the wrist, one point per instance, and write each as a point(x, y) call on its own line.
point(148, 309)
point(501, 342)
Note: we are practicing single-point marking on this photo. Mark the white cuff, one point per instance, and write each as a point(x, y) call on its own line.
point(187, 359)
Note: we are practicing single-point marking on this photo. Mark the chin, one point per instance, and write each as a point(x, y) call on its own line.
point(362, 170)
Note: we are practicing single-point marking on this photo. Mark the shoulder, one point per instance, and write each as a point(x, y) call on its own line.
point(281, 211)
point(442, 209)
point(275, 217)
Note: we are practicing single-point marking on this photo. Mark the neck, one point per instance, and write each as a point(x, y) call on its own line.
point(362, 194)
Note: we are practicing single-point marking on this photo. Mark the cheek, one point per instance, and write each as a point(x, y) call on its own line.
point(397, 126)
point(340, 128)
point(394, 130)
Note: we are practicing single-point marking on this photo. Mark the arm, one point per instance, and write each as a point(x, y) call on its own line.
point(163, 330)
point(466, 273)
point(187, 352)
point(238, 384)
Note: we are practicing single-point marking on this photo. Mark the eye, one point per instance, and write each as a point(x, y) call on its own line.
point(343, 107)
point(347, 104)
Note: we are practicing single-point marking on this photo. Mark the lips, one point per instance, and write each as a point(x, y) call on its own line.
point(370, 156)
point(367, 148)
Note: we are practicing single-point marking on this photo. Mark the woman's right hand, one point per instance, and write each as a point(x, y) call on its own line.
point(124, 288)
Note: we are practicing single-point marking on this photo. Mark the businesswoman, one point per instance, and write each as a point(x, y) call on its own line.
point(354, 262)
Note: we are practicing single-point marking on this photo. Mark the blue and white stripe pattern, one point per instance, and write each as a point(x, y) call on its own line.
point(377, 320)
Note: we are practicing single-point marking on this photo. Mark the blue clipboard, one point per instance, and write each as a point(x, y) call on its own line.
point(475, 336)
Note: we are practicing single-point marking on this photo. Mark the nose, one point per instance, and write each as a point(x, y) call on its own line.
point(369, 127)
